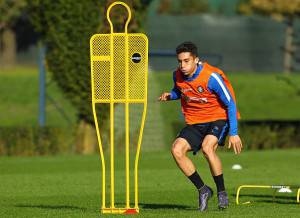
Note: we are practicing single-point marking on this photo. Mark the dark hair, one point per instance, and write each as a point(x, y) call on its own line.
point(187, 47)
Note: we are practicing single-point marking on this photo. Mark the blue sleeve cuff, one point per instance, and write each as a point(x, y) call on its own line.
point(175, 94)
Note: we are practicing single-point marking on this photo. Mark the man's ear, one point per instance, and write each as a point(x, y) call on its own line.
point(196, 60)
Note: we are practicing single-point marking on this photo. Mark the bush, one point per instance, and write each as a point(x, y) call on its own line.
point(270, 134)
point(28, 141)
point(264, 134)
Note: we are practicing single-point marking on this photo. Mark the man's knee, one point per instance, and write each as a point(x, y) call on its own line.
point(179, 148)
point(207, 150)
point(209, 145)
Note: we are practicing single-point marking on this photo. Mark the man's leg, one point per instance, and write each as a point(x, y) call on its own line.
point(179, 150)
point(209, 147)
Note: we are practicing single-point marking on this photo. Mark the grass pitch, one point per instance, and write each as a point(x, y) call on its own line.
point(70, 186)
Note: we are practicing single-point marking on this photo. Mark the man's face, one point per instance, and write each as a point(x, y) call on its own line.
point(187, 63)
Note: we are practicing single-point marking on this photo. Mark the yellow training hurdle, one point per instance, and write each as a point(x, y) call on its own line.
point(275, 187)
point(119, 75)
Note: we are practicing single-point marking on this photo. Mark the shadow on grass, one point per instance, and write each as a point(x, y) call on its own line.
point(51, 207)
point(278, 202)
point(164, 206)
point(276, 199)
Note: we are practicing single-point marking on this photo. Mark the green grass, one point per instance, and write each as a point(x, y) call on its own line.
point(259, 96)
point(19, 97)
point(267, 96)
point(70, 186)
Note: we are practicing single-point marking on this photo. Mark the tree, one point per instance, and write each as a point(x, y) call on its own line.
point(66, 27)
point(182, 7)
point(10, 10)
point(283, 11)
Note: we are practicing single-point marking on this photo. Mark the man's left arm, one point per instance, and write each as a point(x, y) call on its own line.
point(217, 86)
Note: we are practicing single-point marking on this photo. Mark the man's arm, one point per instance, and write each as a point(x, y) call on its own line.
point(173, 95)
point(217, 86)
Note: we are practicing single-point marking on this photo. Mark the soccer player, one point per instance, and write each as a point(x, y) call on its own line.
point(209, 107)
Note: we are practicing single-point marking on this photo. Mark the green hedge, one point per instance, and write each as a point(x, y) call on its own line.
point(28, 141)
point(270, 134)
point(264, 134)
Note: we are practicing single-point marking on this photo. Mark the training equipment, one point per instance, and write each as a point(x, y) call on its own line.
point(278, 188)
point(236, 167)
point(119, 71)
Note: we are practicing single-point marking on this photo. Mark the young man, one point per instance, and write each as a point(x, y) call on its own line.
point(208, 105)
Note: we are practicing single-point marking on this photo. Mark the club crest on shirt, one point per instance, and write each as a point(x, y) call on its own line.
point(200, 89)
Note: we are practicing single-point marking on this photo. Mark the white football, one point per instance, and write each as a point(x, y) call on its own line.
point(236, 167)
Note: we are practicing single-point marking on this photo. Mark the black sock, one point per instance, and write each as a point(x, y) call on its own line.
point(219, 183)
point(196, 180)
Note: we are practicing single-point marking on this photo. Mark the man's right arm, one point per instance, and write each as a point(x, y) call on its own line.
point(174, 94)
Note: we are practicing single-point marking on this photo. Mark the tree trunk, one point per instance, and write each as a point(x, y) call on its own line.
point(86, 140)
point(8, 50)
point(288, 48)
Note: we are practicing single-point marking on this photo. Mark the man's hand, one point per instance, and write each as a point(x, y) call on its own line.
point(236, 143)
point(165, 96)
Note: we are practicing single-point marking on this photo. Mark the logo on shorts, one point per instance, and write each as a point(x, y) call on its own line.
point(200, 89)
point(215, 130)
